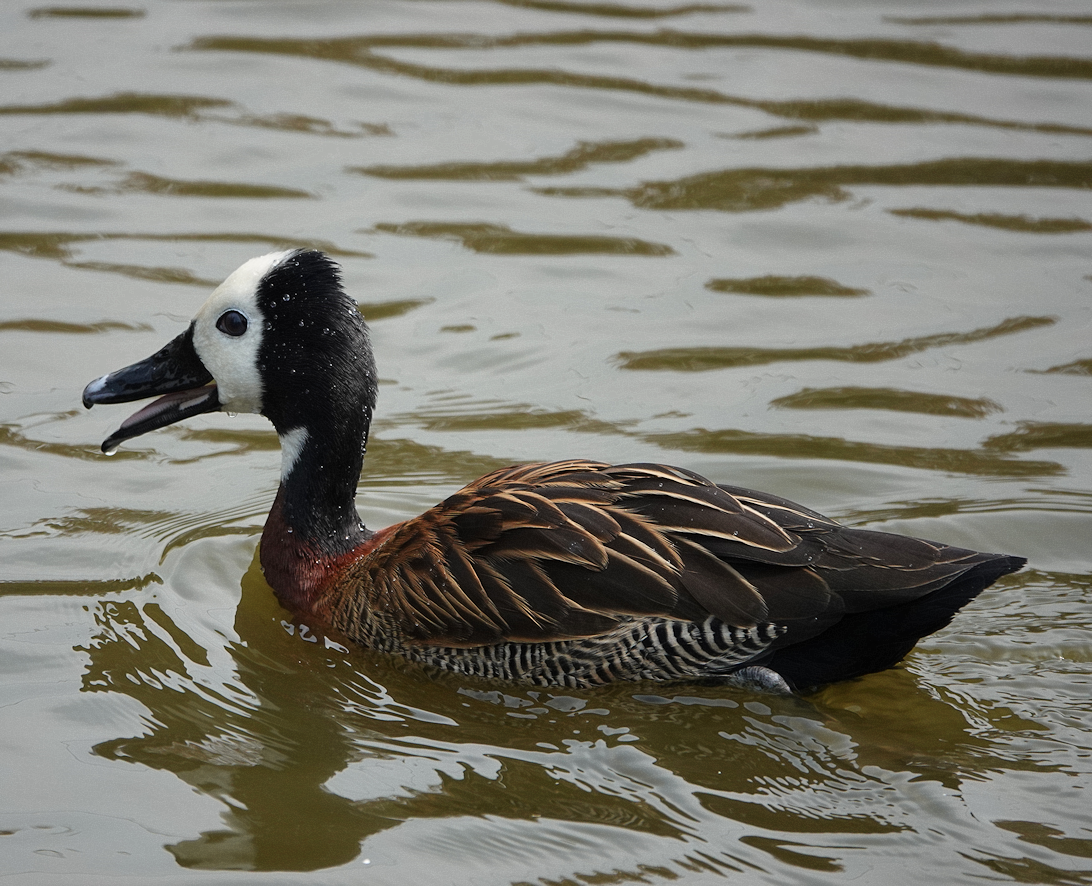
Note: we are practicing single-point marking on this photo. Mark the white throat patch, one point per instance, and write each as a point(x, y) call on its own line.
point(233, 360)
point(292, 443)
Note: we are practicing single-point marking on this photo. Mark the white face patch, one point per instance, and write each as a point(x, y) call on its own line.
point(233, 359)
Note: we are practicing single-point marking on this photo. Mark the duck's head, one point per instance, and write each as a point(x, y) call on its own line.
point(278, 337)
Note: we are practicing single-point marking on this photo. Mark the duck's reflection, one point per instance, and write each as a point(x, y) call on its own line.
point(313, 749)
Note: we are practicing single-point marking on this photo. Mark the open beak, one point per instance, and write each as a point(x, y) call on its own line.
point(175, 372)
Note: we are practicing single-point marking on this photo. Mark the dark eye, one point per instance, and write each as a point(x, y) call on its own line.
point(232, 323)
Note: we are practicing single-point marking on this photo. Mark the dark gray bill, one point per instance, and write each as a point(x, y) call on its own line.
point(175, 371)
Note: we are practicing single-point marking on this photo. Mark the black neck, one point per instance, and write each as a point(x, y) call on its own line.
point(318, 492)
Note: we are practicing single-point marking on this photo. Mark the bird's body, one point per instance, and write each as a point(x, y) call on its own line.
point(570, 573)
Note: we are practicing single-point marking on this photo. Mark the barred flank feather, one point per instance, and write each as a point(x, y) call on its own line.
point(646, 649)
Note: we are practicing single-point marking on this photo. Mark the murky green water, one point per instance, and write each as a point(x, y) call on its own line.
point(840, 251)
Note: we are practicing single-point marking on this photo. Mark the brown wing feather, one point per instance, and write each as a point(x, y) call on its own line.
point(568, 549)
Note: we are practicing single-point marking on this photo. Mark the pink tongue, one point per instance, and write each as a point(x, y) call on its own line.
point(157, 407)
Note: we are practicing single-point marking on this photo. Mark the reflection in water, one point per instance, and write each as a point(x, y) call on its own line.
point(1021, 223)
point(61, 327)
point(1045, 835)
point(888, 398)
point(1016, 18)
point(1032, 435)
point(361, 51)
point(78, 588)
point(140, 272)
point(356, 49)
point(502, 240)
point(965, 461)
point(583, 155)
point(226, 735)
point(383, 310)
point(753, 190)
point(1033, 870)
point(12, 64)
point(704, 359)
point(14, 435)
point(59, 246)
point(775, 132)
point(144, 183)
point(95, 12)
point(194, 108)
point(744, 190)
point(507, 417)
point(125, 103)
point(1077, 367)
point(13, 162)
point(622, 10)
point(772, 285)
point(310, 756)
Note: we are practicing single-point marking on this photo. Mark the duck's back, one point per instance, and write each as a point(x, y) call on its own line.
point(578, 573)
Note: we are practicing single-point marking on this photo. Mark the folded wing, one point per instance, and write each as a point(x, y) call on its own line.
point(567, 550)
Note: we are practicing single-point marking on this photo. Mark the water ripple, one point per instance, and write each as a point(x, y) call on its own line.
point(502, 240)
point(868, 48)
point(744, 190)
point(704, 359)
point(360, 51)
point(797, 446)
point(85, 12)
point(195, 108)
point(780, 287)
point(620, 10)
point(893, 399)
point(1021, 223)
point(60, 246)
point(583, 155)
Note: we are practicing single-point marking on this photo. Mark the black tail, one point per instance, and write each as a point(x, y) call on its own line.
point(864, 642)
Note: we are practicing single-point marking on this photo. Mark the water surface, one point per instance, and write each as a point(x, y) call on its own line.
point(840, 251)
